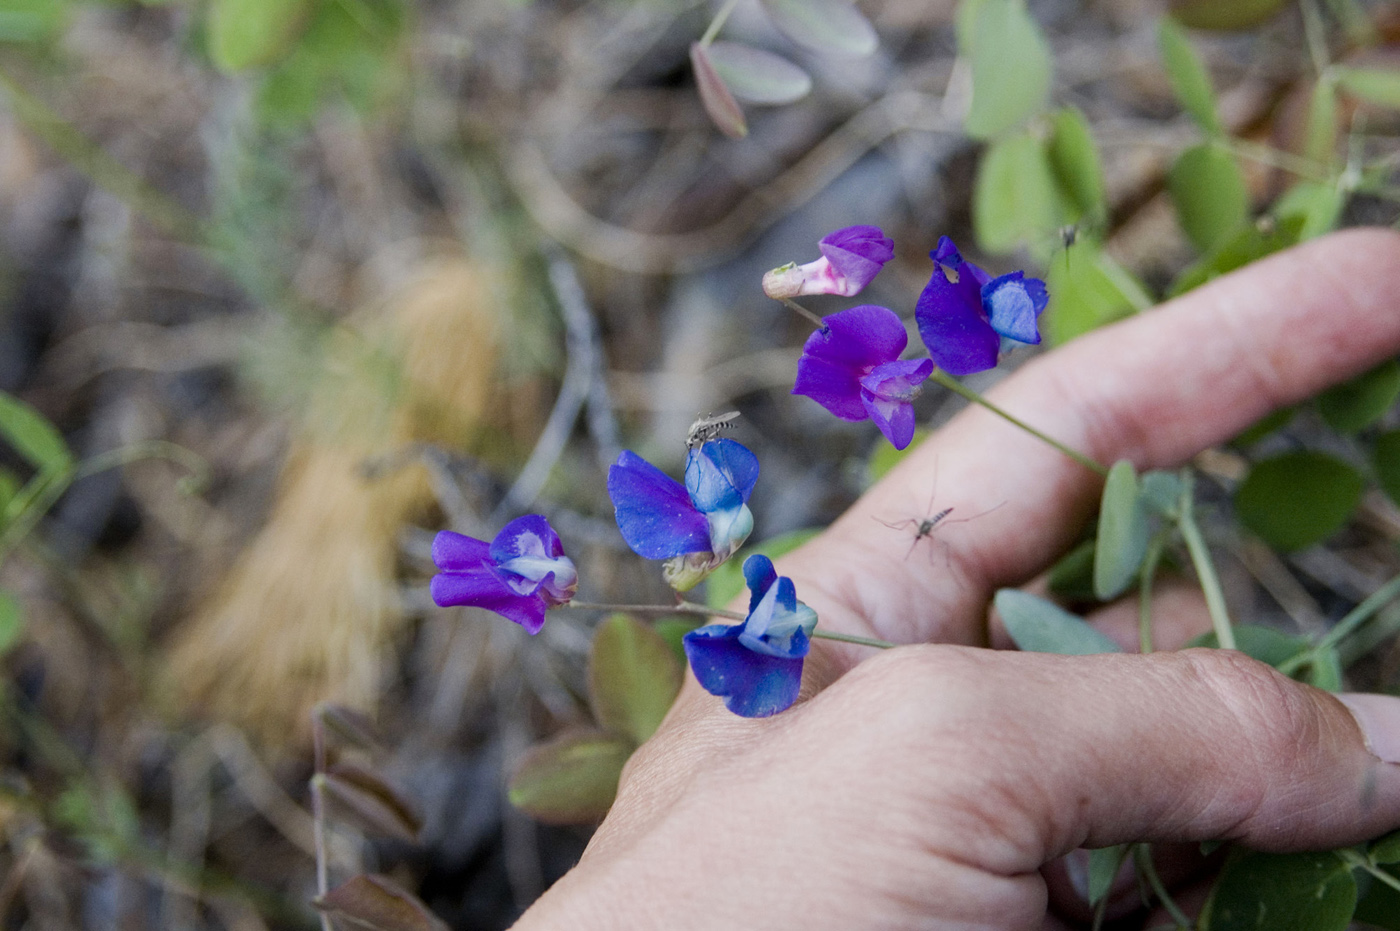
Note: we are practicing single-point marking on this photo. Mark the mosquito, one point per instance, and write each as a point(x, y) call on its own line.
point(925, 526)
point(708, 427)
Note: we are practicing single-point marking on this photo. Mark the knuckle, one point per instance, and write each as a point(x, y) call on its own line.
point(1271, 714)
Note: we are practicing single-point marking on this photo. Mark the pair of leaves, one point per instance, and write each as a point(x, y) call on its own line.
point(728, 73)
point(377, 903)
point(1029, 187)
point(634, 676)
point(1010, 64)
point(1298, 498)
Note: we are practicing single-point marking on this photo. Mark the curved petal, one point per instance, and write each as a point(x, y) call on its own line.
point(753, 685)
point(759, 575)
point(895, 418)
point(858, 338)
point(898, 380)
point(654, 512)
point(834, 387)
point(480, 588)
point(858, 253)
point(1013, 303)
point(720, 475)
point(951, 322)
point(530, 535)
point(454, 551)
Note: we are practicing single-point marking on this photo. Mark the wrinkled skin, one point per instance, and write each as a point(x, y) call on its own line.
point(939, 785)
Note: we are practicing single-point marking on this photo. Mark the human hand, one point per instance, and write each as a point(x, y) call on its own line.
point(925, 787)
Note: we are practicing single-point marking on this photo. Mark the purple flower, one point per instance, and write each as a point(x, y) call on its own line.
point(853, 369)
point(518, 575)
point(695, 527)
point(963, 313)
point(851, 258)
point(756, 666)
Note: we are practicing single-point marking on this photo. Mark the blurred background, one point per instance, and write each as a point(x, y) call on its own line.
point(380, 267)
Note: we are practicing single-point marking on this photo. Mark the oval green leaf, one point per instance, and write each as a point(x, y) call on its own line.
point(1123, 532)
point(1072, 577)
point(1074, 159)
point(1386, 459)
point(11, 622)
point(1281, 892)
point(1038, 626)
point(1087, 290)
point(1104, 864)
point(1320, 130)
point(1298, 499)
point(1385, 849)
point(1224, 14)
point(1357, 404)
point(1380, 86)
point(756, 76)
point(824, 25)
point(1016, 199)
point(251, 33)
point(32, 436)
point(1250, 244)
point(1317, 204)
point(719, 103)
point(1188, 76)
point(571, 779)
point(1209, 192)
point(1011, 66)
point(633, 677)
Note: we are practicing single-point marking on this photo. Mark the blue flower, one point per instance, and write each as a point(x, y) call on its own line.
point(695, 527)
point(756, 666)
point(963, 312)
point(519, 575)
point(852, 368)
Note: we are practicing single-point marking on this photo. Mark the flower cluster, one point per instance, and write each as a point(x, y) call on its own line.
point(852, 367)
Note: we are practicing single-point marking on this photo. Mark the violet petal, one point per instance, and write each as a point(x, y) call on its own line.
point(480, 588)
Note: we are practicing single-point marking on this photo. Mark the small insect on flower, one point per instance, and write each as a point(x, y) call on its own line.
point(708, 427)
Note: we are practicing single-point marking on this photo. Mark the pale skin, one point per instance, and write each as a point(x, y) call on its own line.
point(936, 786)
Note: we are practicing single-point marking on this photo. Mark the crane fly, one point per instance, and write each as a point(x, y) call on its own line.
point(925, 526)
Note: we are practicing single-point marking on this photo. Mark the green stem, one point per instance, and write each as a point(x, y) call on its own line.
point(680, 607)
point(1274, 158)
point(806, 314)
point(852, 638)
point(717, 23)
point(1205, 569)
point(1360, 614)
point(196, 464)
point(1149, 575)
point(1357, 861)
point(952, 384)
point(1142, 856)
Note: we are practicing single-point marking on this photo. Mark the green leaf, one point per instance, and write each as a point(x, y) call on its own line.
point(824, 25)
point(1380, 86)
point(32, 436)
point(252, 33)
point(1038, 626)
point(571, 779)
point(32, 20)
point(1270, 647)
point(719, 103)
point(1325, 671)
point(1016, 199)
point(1104, 864)
point(1318, 204)
point(726, 582)
point(1224, 14)
point(1298, 499)
point(1074, 160)
point(1380, 906)
point(633, 677)
point(1281, 892)
point(1208, 190)
point(1248, 245)
point(377, 903)
point(1160, 492)
point(1320, 130)
point(1188, 76)
point(673, 631)
point(756, 76)
point(1122, 538)
point(1011, 66)
point(11, 622)
point(1087, 291)
point(1072, 577)
point(1386, 459)
point(885, 457)
point(1385, 849)
point(1268, 424)
point(1357, 404)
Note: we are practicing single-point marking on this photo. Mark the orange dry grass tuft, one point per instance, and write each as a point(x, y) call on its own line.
point(309, 608)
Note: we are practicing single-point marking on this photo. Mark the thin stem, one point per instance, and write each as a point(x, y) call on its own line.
point(957, 387)
point(318, 826)
point(1357, 861)
point(1360, 614)
point(1274, 158)
point(1149, 575)
point(717, 23)
point(1142, 856)
point(1205, 569)
point(196, 464)
point(1315, 32)
point(680, 607)
point(852, 638)
point(806, 314)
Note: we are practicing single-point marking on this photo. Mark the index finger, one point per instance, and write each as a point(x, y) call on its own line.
point(1154, 389)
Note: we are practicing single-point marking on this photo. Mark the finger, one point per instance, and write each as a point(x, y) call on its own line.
point(1154, 389)
point(1059, 752)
